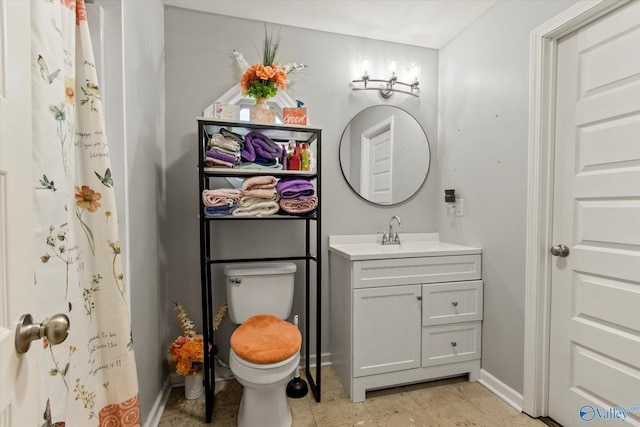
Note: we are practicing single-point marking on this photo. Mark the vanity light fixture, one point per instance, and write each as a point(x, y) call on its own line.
point(390, 85)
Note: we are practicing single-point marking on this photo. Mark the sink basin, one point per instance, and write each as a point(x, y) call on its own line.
point(363, 247)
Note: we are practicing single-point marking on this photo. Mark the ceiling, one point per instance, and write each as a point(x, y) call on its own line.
point(425, 23)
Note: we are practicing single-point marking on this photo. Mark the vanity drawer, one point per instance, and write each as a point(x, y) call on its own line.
point(407, 271)
point(451, 302)
point(450, 343)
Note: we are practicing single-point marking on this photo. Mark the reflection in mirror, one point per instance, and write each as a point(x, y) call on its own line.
point(384, 155)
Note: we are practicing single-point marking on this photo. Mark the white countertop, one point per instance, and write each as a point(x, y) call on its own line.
point(369, 246)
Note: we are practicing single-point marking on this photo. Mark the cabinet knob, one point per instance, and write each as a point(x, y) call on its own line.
point(453, 343)
point(454, 303)
point(419, 298)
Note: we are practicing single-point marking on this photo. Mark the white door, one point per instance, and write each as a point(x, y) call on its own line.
point(377, 162)
point(18, 374)
point(595, 293)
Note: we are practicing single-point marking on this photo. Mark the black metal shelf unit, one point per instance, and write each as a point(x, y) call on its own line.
point(280, 134)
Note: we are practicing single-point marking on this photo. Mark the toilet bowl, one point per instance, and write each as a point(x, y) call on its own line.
point(264, 400)
point(265, 349)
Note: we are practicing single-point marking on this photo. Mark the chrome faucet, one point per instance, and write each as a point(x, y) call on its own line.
point(392, 238)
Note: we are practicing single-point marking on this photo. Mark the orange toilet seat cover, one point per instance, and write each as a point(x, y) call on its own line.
point(266, 339)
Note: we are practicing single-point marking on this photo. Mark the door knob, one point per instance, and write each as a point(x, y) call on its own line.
point(56, 330)
point(560, 250)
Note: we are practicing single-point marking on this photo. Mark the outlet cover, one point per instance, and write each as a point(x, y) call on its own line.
point(459, 210)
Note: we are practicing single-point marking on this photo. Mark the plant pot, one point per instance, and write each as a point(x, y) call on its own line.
point(261, 113)
point(193, 386)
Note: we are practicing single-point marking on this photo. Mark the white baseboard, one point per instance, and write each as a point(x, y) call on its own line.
point(155, 414)
point(500, 389)
point(325, 360)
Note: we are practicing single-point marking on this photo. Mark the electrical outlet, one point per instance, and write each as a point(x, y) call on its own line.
point(459, 209)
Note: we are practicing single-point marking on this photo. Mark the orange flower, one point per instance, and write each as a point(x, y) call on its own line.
point(87, 199)
point(188, 354)
point(183, 367)
point(193, 349)
point(246, 79)
point(280, 79)
point(174, 349)
point(265, 72)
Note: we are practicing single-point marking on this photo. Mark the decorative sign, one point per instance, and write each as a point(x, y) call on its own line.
point(262, 115)
point(294, 116)
point(226, 111)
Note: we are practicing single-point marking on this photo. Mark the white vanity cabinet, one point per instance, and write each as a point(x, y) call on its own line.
point(398, 319)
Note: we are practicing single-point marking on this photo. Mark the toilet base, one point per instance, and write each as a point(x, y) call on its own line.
point(264, 397)
point(266, 408)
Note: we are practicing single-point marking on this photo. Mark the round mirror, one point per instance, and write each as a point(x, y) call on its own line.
point(384, 155)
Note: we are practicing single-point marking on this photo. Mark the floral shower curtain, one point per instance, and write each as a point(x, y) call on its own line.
point(89, 379)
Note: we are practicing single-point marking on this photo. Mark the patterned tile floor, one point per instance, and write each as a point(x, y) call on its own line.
point(451, 402)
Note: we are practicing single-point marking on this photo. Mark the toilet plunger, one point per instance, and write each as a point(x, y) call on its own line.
point(297, 387)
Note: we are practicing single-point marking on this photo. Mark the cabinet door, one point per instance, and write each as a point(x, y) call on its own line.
point(386, 329)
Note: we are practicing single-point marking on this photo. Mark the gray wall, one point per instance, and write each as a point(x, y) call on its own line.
point(134, 82)
point(482, 153)
point(200, 67)
point(144, 88)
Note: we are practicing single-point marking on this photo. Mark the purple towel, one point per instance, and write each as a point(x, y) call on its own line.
point(221, 156)
point(295, 189)
point(248, 153)
point(259, 145)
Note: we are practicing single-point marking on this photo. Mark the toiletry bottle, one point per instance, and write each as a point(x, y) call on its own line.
point(284, 157)
point(294, 159)
point(304, 162)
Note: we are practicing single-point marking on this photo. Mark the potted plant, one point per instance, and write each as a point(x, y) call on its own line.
point(263, 80)
point(187, 352)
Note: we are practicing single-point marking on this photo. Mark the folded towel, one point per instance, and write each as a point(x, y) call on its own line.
point(255, 166)
point(266, 181)
point(265, 162)
point(219, 210)
point(235, 136)
point(248, 153)
point(295, 206)
point(246, 201)
point(221, 197)
point(261, 147)
point(229, 152)
point(295, 189)
point(261, 193)
point(219, 141)
point(220, 156)
point(211, 162)
point(258, 209)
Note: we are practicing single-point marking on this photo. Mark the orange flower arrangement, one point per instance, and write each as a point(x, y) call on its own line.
point(263, 80)
point(187, 351)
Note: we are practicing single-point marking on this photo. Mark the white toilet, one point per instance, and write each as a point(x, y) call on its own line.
point(265, 349)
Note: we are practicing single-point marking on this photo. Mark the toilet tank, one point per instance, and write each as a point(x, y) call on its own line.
point(259, 288)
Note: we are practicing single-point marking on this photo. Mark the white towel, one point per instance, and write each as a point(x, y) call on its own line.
point(258, 209)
